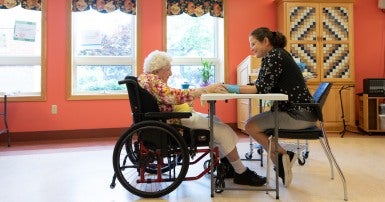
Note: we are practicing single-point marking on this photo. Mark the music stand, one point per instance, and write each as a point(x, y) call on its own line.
point(344, 130)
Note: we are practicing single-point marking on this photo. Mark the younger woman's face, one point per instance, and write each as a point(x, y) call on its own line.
point(259, 48)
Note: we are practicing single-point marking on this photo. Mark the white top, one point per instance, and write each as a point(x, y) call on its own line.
point(228, 96)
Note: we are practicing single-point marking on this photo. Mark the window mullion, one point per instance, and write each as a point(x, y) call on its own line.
point(100, 60)
point(21, 61)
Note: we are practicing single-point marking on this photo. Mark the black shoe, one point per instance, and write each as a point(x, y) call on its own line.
point(284, 166)
point(249, 178)
point(229, 168)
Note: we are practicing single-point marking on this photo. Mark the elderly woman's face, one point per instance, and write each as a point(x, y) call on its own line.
point(164, 73)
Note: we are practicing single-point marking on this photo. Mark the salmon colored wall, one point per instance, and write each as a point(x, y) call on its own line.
point(369, 41)
point(243, 16)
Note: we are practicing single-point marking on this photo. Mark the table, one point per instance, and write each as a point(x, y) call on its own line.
point(211, 98)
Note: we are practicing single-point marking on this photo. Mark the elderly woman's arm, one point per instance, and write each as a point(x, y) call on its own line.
point(172, 96)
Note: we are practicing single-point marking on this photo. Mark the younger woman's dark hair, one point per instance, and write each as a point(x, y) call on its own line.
point(277, 39)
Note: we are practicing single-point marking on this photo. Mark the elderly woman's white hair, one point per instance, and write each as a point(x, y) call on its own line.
point(156, 60)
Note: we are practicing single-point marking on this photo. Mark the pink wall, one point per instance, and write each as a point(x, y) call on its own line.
point(243, 16)
point(369, 41)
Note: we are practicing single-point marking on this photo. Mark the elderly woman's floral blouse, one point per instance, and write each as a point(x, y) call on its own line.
point(166, 96)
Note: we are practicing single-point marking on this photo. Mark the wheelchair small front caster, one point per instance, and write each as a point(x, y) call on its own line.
point(112, 185)
point(305, 154)
point(219, 185)
point(249, 155)
point(301, 161)
point(259, 149)
point(206, 164)
point(220, 179)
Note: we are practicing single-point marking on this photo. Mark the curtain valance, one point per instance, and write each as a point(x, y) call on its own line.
point(105, 6)
point(195, 8)
point(26, 4)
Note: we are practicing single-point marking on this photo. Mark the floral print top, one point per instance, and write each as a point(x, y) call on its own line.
point(279, 73)
point(166, 96)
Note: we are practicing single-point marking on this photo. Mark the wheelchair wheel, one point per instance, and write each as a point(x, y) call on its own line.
point(249, 155)
point(132, 149)
point(301, 161)
point(150, 159)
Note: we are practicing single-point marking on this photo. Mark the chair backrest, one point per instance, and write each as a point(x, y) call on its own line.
point(141, 100)
point(319, 97)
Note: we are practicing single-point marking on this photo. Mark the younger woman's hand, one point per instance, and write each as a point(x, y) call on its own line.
point(216, 88)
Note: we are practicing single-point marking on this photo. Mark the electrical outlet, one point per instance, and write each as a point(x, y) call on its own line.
point(54, 109)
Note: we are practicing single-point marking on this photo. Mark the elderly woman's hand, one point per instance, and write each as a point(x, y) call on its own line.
point(216, 88)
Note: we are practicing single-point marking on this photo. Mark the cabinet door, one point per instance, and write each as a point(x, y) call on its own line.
point(320, 35)
point(336, 31)
point(302, 34)
point(247, 72)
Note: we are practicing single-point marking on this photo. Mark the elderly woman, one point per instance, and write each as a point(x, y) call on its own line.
point(157, 70)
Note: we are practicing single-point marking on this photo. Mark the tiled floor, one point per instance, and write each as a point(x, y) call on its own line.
point(81, 171)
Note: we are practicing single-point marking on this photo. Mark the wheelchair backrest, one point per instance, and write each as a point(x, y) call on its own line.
point(320, 96)
point(141, 100)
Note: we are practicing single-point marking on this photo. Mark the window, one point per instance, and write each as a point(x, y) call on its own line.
point(192, 40)
point(22, 76)
point(103, 49)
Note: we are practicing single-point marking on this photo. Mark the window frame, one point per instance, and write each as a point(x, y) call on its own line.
point(220, 61)
point(99, 59)
point(43, 67)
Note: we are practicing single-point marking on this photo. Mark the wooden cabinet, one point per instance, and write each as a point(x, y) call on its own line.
point(332, 110)
point(247, 72)
point(371, 119)
point(320, 34)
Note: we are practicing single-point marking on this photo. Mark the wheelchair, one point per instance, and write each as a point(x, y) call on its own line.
point(151, 158)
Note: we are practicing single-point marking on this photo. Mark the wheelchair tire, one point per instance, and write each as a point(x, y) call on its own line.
point(301, 161)
point(160, 164)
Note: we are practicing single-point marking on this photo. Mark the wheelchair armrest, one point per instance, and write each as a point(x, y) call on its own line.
point(167, 115)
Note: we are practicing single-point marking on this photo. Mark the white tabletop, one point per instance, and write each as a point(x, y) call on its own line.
point(228, 96)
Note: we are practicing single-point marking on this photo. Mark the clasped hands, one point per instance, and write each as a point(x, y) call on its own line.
point(222, 88)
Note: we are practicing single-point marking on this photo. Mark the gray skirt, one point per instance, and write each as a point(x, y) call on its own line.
point(265, 121)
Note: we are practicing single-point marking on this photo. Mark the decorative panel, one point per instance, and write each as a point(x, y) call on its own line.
point(307, 53)
point(336, 61)
point(303, 23)
point(335, 23)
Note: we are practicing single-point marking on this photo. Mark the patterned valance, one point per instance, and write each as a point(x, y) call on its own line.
point(195, 8)
point(105, 6)
point(26, 4)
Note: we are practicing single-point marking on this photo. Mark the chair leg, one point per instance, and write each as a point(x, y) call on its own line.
point(9, 138)
point(327, 149)
point(268, 162)
point(6, 130)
